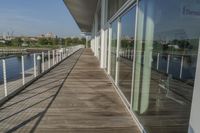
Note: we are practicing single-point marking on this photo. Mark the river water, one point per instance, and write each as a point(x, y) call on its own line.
point(14, 67)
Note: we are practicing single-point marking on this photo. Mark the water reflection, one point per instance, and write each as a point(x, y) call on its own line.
point(13, 67)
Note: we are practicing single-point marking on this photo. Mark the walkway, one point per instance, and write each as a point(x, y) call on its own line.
point(83, 101)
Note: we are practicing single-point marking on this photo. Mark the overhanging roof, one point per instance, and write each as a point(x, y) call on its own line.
point(83, 12)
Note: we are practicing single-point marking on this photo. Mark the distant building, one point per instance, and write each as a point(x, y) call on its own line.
point(25, 44)
point(47, 35)
point(50, 35)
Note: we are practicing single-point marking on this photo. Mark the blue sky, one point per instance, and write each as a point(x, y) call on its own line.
point(34, 17)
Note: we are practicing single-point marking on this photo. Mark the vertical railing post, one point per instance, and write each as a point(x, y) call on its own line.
point(64, 52)
point(53, 52)
point(56, 56)
point(61, 53)
point(181, 70)
point(158, 60)
point(49, 60)
point(168, 61)
point(34, 63)
point(42, 61)
point(5, 78)
point(128, 53)
point(60, 56)
point(39, 64)
point(23, 73)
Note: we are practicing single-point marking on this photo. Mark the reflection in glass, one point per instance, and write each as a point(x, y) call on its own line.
point(126, 50)
point(167, 43)
point(113, 49)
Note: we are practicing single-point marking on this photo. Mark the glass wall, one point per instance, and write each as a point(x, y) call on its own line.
point(113, 49)
point(126, 52)
point(166, 54)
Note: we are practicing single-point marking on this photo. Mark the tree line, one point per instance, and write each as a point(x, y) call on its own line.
point(43, 42)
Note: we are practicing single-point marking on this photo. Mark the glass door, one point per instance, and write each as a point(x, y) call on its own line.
point(126, 53)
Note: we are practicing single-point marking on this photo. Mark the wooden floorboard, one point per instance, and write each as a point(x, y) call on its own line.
point(86, 102)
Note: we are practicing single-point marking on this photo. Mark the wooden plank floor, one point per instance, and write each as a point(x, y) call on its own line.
point(85, 102)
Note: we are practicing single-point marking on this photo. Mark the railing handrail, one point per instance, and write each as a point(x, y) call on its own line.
point(58, 55)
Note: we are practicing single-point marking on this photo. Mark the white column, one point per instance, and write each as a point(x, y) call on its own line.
point(57, 57)
point(53, 52)
point(60, 56)
point(4, 77)
point(42, 61)
point(117, 52)
point(49, 59)
point(181, 70)
point(34, 63)
point(23, 75)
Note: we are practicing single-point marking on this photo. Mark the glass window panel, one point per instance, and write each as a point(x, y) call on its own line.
point(113, 49)
point(126, 50)
point(167, 46)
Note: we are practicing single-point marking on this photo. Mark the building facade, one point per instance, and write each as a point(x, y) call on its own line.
point(150, 50)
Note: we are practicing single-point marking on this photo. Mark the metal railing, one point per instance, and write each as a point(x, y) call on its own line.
point(178, 65)
point(29, 67)
point(175, 64)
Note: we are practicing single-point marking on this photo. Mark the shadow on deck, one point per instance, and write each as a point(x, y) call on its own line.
point(74, 97)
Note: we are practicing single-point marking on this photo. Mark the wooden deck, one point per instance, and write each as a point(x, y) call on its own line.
point(79, 101)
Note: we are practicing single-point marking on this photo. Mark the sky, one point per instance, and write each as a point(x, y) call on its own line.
point(35, 17)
